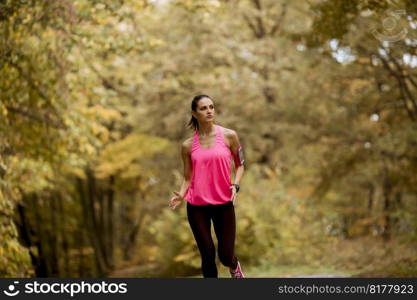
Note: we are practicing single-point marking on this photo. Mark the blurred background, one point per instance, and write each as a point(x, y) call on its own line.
point(94, 101)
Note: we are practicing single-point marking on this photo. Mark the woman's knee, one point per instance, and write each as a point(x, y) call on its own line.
point(208, 253)
point(226, 258)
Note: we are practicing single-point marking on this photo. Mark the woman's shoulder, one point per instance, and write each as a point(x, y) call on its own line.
point(230, 136)
point(228, 132)
point(188, 144)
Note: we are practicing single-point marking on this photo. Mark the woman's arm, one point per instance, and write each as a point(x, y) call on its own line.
point(185, 154)
point(179, 196)
point(238, 157)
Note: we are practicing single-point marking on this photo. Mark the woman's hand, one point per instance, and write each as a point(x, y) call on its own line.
point(234, 194)
point(176, 200)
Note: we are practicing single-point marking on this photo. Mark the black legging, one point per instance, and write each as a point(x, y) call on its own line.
point(224, 222)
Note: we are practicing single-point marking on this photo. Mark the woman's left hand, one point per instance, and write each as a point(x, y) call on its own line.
point(234, 194)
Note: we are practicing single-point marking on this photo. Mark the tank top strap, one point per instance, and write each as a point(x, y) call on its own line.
point(220, 136)
point(195, 141)
point(219, 139)
point(218, 133)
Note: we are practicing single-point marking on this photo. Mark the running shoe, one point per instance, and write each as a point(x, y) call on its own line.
point(237, 273)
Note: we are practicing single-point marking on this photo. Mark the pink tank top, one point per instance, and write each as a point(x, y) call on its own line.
point(210, 182)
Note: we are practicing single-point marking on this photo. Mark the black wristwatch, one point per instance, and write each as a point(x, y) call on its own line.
point(237, 187)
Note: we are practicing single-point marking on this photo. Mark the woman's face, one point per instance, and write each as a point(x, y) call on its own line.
point(204, 111)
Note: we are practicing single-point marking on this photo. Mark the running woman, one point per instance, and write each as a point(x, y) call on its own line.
point(207, 187)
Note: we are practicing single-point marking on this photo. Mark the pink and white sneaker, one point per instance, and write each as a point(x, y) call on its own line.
point(237, 273)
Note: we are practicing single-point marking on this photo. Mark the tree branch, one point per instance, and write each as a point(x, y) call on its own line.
point(251, 25)
point(277, 25)
point(398, 77)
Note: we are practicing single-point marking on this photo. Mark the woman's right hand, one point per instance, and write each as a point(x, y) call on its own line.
point(176, 200)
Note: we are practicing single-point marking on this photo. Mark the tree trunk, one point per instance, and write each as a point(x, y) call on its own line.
point(97, 230)
point(80, 241)
point(64, 239)
point(110, 221)
point(371, 193)
point(41, 267)
point(53, 237)
point(91, 227)
point(387, 189)
point(131, 241)
point(25, 232)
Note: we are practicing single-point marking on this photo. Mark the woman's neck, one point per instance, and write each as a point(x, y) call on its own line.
point(205, 129)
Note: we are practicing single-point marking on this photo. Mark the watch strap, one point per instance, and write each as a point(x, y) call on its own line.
point(237, 186)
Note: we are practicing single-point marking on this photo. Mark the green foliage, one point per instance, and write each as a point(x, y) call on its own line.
point(95, 96)
point(177, 250)
point(134, 147)
point(14, 258)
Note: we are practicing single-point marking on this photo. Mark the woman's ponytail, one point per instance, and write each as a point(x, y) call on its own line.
point(193, 123)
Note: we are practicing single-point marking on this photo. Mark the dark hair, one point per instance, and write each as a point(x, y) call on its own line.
point(193, 123)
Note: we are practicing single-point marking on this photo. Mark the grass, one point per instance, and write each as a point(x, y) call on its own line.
point(374, 257)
